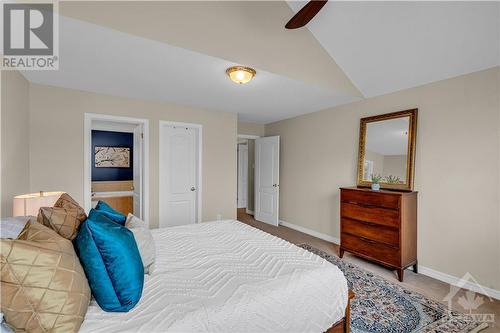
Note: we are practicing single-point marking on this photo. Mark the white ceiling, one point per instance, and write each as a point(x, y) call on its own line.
point(389, 46)
point(388, 137)
point(178, 52)
point(246, 32)
point(98, 59)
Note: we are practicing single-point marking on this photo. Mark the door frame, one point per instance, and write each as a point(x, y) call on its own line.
point(199, 179)
point(248, 137)
point(87, 150)
point(238, 178)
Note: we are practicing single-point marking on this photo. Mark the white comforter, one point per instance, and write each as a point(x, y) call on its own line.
point(229, 277)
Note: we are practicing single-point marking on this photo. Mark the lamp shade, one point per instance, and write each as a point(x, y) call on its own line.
point(29, 204)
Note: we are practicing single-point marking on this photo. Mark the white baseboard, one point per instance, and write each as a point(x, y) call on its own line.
point(310, 232)
point(250, 212)
point(453, 280)
point(450, 279)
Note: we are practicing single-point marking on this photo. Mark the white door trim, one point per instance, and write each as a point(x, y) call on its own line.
point(199, 181)
point(242, 170)
point(248, 136)
point(87, 161)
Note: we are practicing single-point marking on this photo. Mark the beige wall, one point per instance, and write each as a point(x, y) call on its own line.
point(57, 134)
point(395, 165)
point(378, 162)
point(250, 129)
point(15, 139)
point(457, 169)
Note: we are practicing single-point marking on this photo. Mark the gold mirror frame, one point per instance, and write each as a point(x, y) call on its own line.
point(410, 160)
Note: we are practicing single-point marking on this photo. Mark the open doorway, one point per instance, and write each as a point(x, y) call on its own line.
point(246, 173)
point(258, 177)
point(116, 155)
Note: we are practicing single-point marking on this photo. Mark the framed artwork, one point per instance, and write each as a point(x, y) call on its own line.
point(112, 157)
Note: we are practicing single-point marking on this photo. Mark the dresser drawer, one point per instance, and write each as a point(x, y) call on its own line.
point(377, 215)
point(378, 199)
point(371, 249)
point(370, 231)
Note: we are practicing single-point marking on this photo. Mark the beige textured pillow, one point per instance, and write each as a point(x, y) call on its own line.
point(44, 288)
point(62, 220)
point(66, 201)
point(144, 240)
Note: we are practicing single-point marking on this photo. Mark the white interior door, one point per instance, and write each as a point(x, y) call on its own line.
point(178, 175)
point(242, 175)
point(138, 172)
point(267, 158)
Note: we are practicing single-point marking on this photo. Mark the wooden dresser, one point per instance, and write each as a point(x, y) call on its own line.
point(380, 226)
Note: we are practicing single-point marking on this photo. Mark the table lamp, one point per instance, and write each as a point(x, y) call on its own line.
point(29, 204)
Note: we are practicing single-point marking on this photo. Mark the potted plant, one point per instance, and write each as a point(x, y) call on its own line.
point(393, 179)
point(376, 178)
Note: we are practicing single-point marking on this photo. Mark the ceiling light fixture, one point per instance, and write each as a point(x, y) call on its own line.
point(240, 74)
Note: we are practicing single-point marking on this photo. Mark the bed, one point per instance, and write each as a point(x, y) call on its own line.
point(227, 276)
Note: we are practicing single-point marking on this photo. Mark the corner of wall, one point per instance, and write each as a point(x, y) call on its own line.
point(29, 133)
point(498, 186)
point(15, 126)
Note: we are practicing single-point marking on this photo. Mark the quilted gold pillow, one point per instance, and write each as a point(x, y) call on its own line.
point(44, 288)
point(66, 201)
point(64, 221)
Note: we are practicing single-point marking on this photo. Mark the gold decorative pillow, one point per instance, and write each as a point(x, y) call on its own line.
point(66, 201)
point(44, 288)
point(62, 220)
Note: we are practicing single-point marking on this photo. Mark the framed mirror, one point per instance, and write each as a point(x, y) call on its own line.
point(387, 150)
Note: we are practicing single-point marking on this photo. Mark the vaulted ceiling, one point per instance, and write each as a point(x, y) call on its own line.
point(178, 51)
point(388, 46)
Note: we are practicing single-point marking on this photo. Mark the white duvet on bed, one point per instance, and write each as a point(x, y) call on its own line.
point(229, 277)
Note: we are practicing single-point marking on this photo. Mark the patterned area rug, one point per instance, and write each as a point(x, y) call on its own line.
point(383, 306)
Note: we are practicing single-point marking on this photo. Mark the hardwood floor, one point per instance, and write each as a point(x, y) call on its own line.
point(427, 286)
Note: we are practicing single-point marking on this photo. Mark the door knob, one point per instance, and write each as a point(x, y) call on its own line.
point(193, 188)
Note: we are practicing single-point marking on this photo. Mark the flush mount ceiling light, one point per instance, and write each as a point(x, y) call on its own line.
point(240, 74)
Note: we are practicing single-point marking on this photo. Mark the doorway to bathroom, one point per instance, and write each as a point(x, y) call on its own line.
point(116, 171)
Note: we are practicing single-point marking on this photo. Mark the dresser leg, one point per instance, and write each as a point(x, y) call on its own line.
point(415, 268)
point(401, 274)
point(341, 253)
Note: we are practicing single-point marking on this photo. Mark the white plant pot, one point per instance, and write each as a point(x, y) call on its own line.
point(376, 187)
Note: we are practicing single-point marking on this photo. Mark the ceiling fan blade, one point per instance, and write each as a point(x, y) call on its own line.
point(305, 14)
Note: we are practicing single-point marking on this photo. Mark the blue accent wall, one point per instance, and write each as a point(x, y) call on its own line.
point(112, 139)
